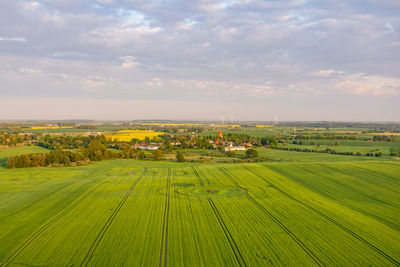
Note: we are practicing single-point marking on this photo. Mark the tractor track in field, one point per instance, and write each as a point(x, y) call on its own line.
point(276, 221)
point(198, 176)
point(338, 224)
point(40, 199)
point(377, 174)
point(164, 237)
point(31, 204)
point(42, 228)
point(343, 203)
point(228, 235)
point(108, 223)
point(347, 186)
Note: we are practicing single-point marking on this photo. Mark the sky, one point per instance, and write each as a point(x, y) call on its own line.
point(200, 60)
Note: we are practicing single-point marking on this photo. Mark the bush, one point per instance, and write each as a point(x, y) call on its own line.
point(231, 154)
point(180, 157)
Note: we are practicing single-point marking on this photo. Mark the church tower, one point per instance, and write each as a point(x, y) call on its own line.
point(220, 137)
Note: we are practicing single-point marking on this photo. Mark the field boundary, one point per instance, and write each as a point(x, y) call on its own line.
point(339, 225)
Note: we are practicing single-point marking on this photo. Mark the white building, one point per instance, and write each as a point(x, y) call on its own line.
point(235, 148)
point(149, 147)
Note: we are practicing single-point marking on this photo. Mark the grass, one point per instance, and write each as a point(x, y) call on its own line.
point(133, 213)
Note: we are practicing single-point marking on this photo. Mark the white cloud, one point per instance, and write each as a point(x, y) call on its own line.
point(328, 73)
point(128, 62)
point(389, 27)
point(31, 5)
point(30, 71)
point(14, 39)
point(154, 82)
point(206, 49)
point(362, 84)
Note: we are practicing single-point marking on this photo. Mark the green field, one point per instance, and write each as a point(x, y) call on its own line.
point(352, 146)
point(131, 213)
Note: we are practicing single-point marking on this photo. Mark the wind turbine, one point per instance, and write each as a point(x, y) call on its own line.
point(276, 119)
point(231, 119)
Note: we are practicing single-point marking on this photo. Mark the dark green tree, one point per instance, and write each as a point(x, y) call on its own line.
point(180, 157)
point(158, 154)
point(251, 153)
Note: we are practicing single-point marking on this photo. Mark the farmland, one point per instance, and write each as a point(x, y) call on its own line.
point(128, 135)
point(351, 146)
point(129, 212)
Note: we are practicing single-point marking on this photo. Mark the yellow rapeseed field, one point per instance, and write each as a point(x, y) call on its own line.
point(172, 124)
point(51, 127)
point(227, 125)
point(128, 135)
point(188, 124)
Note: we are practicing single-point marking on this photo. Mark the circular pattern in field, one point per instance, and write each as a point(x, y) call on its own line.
point(212, 191)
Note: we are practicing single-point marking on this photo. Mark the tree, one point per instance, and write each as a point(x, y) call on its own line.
point(251, 153)
point(96, 151)
point(158, 154)
point(127, 151)
point(147, 140)
point(231, 154)
point(271, 141)
point(180, 157)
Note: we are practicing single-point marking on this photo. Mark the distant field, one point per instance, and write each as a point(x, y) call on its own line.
point(280, 155)
point(9, 152)
point(353, 146)
point(101, 128)
point(254, 131)
point(50, 127)
point(132, 213)
point(396, 134)
point(128, 135)
point(273, 155)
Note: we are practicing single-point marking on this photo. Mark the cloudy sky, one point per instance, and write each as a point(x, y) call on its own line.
point(204, 59)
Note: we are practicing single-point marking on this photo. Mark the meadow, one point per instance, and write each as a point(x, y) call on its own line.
point(141, 213)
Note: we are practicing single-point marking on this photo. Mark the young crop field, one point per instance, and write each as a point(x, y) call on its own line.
point(138, 213)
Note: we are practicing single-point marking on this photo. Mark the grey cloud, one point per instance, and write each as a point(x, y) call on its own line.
point(239, 50)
